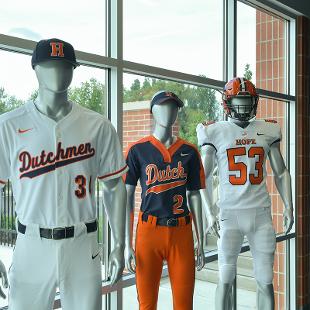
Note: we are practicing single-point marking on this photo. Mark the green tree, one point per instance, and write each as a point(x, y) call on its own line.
point(248, 72)
point(200, 102)
point(7, 102)
point(89, 95)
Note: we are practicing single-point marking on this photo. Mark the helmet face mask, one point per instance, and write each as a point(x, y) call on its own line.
point(240, 99)
point(242, 108)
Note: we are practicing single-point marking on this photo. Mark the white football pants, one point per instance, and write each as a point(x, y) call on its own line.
point(41, 265)
point(256, 225)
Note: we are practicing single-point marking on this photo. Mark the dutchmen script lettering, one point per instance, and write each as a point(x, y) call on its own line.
point(33, 166)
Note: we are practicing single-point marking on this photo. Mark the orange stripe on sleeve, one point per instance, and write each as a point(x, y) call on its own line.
point(113, 173)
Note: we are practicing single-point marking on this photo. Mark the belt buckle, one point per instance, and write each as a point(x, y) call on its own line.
point(54, 233)
point(172, 222)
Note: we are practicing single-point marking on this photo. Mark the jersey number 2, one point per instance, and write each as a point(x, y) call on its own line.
point(80, 192)
point(242, 167)
point(178, 201)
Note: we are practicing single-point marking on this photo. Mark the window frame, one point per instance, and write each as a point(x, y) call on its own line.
point(116, 66)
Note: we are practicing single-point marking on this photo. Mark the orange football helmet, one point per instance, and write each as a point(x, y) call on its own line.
point(244, 109)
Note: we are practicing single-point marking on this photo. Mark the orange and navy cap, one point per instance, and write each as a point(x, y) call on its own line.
point(53, 49)
point(163, 95)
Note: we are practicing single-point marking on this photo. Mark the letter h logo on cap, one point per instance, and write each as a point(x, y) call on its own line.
point(57, 49)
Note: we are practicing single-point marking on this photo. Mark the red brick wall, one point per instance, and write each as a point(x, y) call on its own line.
point(270, 75)
point(303, 157)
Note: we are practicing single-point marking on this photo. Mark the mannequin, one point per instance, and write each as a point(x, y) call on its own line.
point(57, 162)
point(164, 110)
point(241, 110)
point(54, 79)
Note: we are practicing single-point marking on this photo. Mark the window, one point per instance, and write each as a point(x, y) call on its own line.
point(177, 35)
point(261, 48)
point(81, 25)
point(174, 45)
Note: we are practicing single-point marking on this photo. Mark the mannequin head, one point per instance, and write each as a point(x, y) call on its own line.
point(164, 107)
point(55, 76)
point(165, 114)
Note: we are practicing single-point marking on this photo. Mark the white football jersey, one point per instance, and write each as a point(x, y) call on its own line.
point(53, 166)
point(241, 158)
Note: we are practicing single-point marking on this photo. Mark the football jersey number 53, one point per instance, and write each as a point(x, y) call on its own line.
point(242, 168)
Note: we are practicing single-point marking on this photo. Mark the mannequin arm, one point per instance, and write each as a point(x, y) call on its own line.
point(208, 159)
point(114, 196)
point(283, 184)
point(130, 260)
point(194, 201)
point(5, 282)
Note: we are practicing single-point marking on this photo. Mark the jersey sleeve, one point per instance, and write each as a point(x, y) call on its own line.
point(274, 129)
point(277, 134)
point(196, 176)
point(203, 135)
point(4, 161)
point(111, 163)
point(133, 174)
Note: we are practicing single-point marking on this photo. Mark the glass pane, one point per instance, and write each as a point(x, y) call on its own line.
point(261, 48)
point(18, 84)
point(81, 25)
point(200, 104)
point(17, 80)
point(180, 35)
point(275, 110)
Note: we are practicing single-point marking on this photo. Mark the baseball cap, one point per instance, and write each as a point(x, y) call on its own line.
point(53, 49)
point(163, 95)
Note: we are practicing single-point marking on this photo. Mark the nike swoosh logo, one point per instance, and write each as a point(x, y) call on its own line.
point(224, 220)
point(260, 134)
point(184, 154)
point(24, 130)
point(94, 256)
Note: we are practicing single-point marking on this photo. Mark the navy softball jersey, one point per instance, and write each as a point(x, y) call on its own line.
point(165, 174)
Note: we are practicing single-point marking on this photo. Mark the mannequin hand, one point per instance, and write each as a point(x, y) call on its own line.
point(5, 282)
point(288, 219)
point(130, 259)
point(116, 264)
point(200, 262)
point(213, 225)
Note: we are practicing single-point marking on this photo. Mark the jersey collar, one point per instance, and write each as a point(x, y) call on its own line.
point(167, 153)
point(45, 118)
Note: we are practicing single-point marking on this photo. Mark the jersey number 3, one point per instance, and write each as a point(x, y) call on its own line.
point(80, 192)
point(242, 167)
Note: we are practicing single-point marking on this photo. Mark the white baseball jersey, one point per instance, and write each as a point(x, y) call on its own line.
point(241, 157)
point(53, 166)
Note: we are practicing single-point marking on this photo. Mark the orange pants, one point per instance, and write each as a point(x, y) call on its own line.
point(154, 244)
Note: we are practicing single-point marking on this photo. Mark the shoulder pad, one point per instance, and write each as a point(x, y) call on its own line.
point(271, 121)
point(205, 123)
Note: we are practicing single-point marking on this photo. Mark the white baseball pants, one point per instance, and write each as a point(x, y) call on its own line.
point(41, 265)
